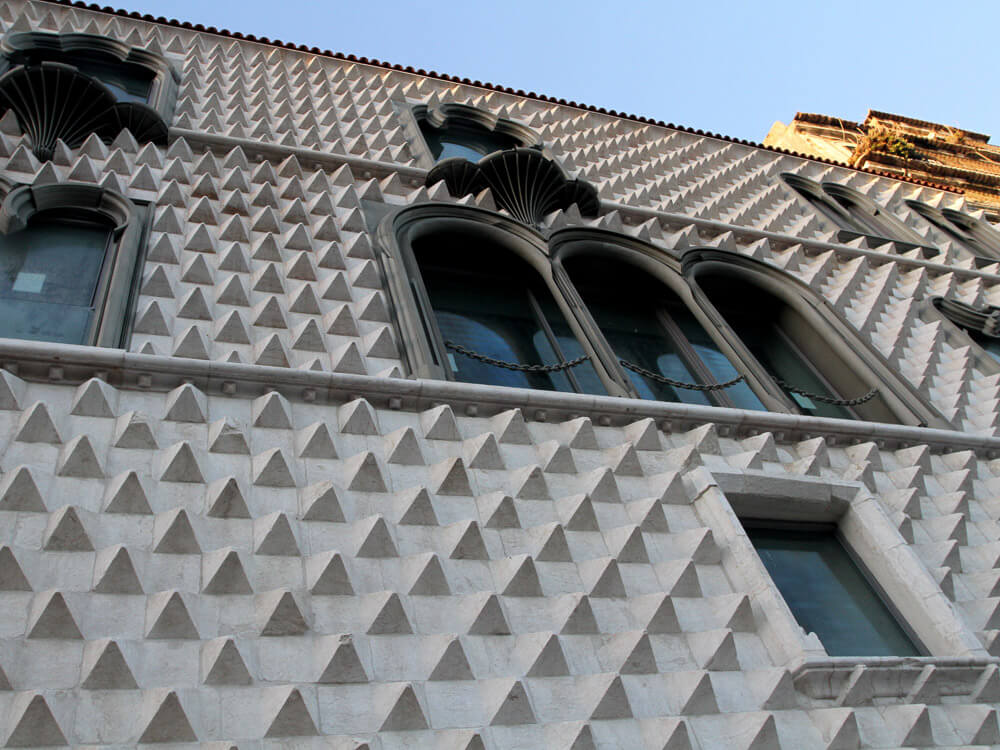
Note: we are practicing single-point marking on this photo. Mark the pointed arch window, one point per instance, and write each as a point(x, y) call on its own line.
point(483, 307)
point(663, 350)
point(68, 258)
point(854, 212)
point(800, 348)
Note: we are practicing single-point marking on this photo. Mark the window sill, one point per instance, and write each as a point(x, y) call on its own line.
point(851, 681)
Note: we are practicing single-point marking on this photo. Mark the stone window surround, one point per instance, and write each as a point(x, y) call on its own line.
point(440, 115)
point(722, 498)
point(984, 242)
point(118, 286)
point(166, 78)
point(822, 199)
point(411, 311)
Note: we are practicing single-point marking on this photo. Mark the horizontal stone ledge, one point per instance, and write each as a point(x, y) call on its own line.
point(72, 364)
point(889, 677)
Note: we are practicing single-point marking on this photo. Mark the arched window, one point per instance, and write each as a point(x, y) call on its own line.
point(479, 294)
point(980, 231)
point(852, 211)
point(798, 344)
point(460, 131)
point(939, 220)
point(982, 324)
point(650, 334)
point(68, 259)
point(67, 86)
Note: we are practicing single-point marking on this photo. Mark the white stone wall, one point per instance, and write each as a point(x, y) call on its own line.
point(251, 530)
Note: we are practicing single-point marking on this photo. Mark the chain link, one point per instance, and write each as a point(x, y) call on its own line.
point(514, 365)
point(827, 399)
point(677, 383)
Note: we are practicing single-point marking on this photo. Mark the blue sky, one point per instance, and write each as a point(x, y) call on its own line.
point(723, 66)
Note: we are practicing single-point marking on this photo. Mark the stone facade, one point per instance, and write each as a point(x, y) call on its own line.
point(251, 529)
point(943, 154)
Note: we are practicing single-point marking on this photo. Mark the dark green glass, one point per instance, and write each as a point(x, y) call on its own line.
point(48, 280)
point(468, 142)
point(828, 593)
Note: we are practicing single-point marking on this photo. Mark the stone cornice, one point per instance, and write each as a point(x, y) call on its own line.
point(74, 364)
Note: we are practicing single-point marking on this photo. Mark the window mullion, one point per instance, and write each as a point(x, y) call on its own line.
point(689, 356)
point(550, 335)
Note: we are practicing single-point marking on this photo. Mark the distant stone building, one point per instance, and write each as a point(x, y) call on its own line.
point(901, 145)
point(344, 405)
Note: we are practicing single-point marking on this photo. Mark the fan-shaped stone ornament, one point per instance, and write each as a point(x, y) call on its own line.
point(524, 182)
point(54, 101)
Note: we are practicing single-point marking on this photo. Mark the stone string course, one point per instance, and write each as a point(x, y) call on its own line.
point(237, 567)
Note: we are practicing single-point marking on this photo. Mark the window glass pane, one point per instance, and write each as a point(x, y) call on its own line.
point(128, 83)
point(48, 277)
point(829, 595)
point(465, 141)
point(760, 320)
point(489, 300)
point(717, 362)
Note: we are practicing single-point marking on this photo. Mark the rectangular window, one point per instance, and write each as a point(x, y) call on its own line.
point(828, 592)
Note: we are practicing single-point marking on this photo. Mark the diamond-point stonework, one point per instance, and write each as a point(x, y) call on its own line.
point(258, 500)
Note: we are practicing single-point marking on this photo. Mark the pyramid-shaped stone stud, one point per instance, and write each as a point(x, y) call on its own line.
point(510, 427)
point(517, 576)
point(361, 473)
point(49, 617)
point(65, 532)
point(125, 494)
point(464, 541)
point(222, 663)
point(445, 659)
point(319, 502)
point(167, 617)
point(186, 404)
point(413, 507)
point(224, 499)
point(174, 535)
point(272, 469)
point(384, 613)
point(94, 398)
point(450, 478)
point(499, 511)
point(223, 573)
point(12, 390)
point(541, 655)
point(105, 668)
point(12, 577)
point(178, 464)
point(357, 418)
point(163, 718)
point(77, 458)
point(272, 410)
point(273, 535)
point(439, 423)
point(425, 576)
point(342, 666)
point(575, 615)
point(133, 432)
point(373, 538)
point(327, 575)
point(715, 650)
point(37, 426)
point(19, 492)
point(506, 702)
point(528, 483)
point(278, 614)
point(315, 441)
point(292, 717)
point(577, 512)
point(225, 436)
point(401, 447)
point(114, 572)
point(32, 723)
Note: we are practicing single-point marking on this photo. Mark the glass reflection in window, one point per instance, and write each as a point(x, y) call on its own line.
point(49, 274)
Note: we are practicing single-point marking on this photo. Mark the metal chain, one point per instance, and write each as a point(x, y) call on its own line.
point(514, 365)
point(827, 399)
point(677, 383)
